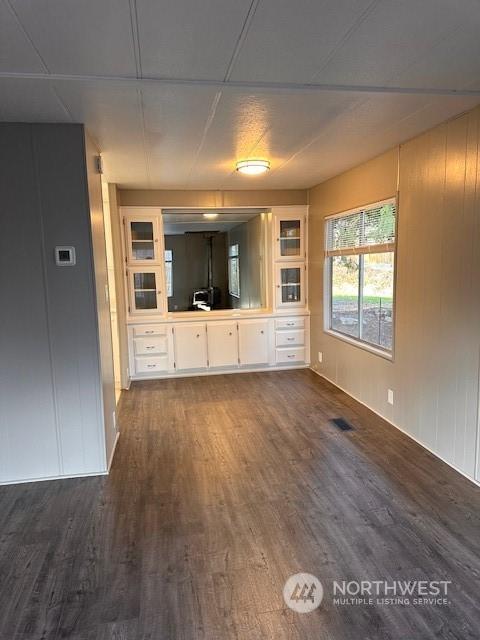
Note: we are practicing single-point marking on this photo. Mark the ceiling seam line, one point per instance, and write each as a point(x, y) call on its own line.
point(208, 124)
point(135, 37)
point(241, 38)
point(361, 18)
point(43, 62)
point(27, 35)
point(144, 137)
point(62, 104)
point(238, 84)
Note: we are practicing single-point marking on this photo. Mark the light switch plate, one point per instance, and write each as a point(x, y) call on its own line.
point(390, 396)
point(65, 256)
point(320, 356)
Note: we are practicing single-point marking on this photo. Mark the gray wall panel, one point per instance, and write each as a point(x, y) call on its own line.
point(51, 413)
point(28, 432)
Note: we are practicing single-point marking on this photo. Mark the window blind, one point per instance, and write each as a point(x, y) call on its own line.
point(368, 230)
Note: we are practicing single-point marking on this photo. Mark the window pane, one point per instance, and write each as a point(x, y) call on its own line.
point(345, 286)
point(377, 304)
point(291, 293)
point(144, 281)
point(145, 300)
point(289, 237)
point(142, 241)
point(290, 275)
point(142, 231)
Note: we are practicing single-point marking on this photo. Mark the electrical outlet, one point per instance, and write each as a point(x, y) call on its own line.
point(390, 396)
point(320, 356)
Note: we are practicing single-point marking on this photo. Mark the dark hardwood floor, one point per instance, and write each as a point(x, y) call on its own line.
point(221, 488)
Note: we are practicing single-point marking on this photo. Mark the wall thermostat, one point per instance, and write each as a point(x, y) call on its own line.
point(65, 256)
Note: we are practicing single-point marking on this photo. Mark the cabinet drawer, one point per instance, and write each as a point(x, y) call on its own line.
point(155, 344)
point(150, 330)
point(149, 365)
point(289, 323)
point(290, 355)
point(287, 338)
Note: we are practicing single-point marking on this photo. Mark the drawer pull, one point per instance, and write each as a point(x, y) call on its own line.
point(150, 347)
point(290, 339)
point(150, 331)
point(291, 356)
point(261, 331)
point(290, 324)
point(151, 366)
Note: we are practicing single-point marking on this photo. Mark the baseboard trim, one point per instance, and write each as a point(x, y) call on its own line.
point(321, 375)
point(113, 451)
point(218, 372)
point(48, 478)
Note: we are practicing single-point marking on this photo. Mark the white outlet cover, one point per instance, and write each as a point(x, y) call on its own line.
point(320, 356)
point(390, 396)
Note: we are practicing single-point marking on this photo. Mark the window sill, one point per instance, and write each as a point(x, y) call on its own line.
point(361, 345)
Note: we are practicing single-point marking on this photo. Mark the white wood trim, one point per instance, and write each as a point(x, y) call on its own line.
point(48, 478)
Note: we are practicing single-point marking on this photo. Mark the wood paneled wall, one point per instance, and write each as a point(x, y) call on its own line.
point(196, 198)
point(51, 421)
point(435, 371)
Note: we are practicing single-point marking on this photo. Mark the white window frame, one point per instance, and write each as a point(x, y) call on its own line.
point(327, 282)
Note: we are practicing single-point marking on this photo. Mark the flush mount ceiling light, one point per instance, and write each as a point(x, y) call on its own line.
point(253, 167)
point(210, 216)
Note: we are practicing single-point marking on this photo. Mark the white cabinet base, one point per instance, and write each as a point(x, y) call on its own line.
point(209, 347)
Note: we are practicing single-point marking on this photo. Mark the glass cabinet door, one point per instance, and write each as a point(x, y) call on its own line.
point(290, 239)
point(142, 240)
point(290, 286)
point(144, 292)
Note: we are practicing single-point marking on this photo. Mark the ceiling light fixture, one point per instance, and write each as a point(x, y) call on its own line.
point(210, 216)
point(253, 167)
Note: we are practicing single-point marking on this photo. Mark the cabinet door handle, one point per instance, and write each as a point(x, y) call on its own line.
point(198, 335)
point(261, 331)
point(229, 333)
point(159, 292)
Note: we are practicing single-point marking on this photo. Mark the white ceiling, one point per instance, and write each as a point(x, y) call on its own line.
point(174, 92)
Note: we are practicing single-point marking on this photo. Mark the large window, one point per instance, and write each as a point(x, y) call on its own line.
point(360, 265)
point(233, 271)
point(169, 271)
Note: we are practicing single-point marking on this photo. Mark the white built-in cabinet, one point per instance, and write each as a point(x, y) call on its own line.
point(253, 348)
point(190, 344)
point(142, 237)
point(165, 345)
point(144, 289)
point(290, 289)
point(289, 232)
point(222, 342)
point(290, 259)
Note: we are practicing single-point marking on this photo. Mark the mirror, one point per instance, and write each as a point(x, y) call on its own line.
point(215, 259)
